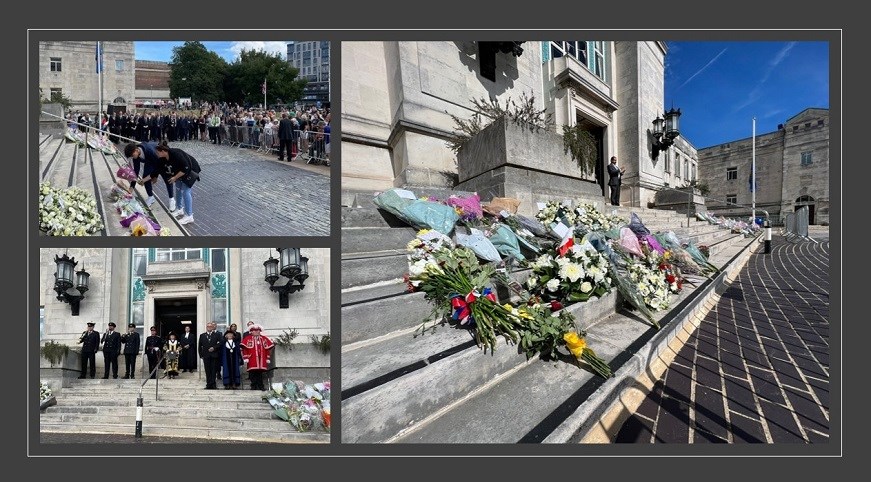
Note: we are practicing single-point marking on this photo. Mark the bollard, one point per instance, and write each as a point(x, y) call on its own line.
point(767, 225)
point(139, 417)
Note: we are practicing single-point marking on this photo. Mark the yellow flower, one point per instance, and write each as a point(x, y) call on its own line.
point(666, 255)
point(139, 230)
point(423, 231)
point(575, 343)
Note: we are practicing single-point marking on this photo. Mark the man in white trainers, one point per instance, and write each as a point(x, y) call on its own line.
point(181, 166)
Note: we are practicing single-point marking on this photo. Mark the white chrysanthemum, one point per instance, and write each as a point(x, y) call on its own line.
point(417, 268)
point(571, 271)
point(543, 261)
point(532, 282)
point(553, 284)
point(586, 287)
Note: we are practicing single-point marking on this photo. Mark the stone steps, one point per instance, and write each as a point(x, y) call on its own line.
point(109, 406)
point(61, 167)
point(360, 269)
point(169, 429)
point(437, 388)
point(360, 240)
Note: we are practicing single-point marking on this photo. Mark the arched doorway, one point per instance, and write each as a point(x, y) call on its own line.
point(598, 133)
point(810, 203)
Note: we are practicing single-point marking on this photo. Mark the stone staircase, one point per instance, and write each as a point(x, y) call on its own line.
point(183, 409)
point(65, 164)
point(399, 386)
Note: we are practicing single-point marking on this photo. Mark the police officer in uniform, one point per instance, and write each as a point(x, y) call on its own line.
point(111, 349)
point(90, 341)
point(131, 350)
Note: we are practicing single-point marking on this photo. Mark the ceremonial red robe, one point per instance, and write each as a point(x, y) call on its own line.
point(257, 352)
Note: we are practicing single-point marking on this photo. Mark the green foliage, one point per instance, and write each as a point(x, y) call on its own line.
point(244, 79)
point(54, 352)
point(702, 186)
point(56, 98)
point(544, 334)
point(581, 145)
point(197, 72)
point(522, 113)
point(285, 339)
point(322, 343)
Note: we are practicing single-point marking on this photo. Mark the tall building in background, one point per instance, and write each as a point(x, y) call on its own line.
point(70, 68)
point(152, 81)
point(312, 58)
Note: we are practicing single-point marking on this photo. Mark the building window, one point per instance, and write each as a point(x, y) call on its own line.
point(119, 66)
point(178, 254)
point(806, 158)
point(55, 64)
point(694, 172)
point(686, 169)
point(820, 122)
point(731, 173)
point(732, 198)
point(41, 322)
point(667, 161)
point(591, 54)
point(55, 91)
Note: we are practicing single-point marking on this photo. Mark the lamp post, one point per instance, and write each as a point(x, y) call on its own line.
point(665, 130)
point(70, 288)
point(287, 274)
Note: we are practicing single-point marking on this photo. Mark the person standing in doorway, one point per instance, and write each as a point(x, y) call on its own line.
point(257, 352)
point(153, 344)
point(131, 350)
point(615, 178)
point(90, 341)
point(111, 349)
point(210, 352)
point(188, 362)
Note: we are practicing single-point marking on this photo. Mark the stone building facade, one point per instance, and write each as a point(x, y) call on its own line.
point(171, 287)
point(312, 58)
point(792, 170)
point(70, 67)
point(152, 80)
point(398, 98)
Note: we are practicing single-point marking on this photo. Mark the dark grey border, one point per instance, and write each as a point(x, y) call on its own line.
point(644, 19)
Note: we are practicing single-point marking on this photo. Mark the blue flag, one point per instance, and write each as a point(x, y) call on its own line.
point(753, 185)
point(98, 57)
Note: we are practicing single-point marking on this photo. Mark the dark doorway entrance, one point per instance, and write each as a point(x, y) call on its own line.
point(598, 132)
point(172, 314)
point(810, 203)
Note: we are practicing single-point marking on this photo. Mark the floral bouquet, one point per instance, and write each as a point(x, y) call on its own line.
point(300, 405)
point(467, 208)
point(580, 274)
point(588, 217)
point(651, 285)
point(672, 273)
point(46, 397)
point(554, 212)
point(68, 212)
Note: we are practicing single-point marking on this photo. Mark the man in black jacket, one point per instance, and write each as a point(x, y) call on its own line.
point(285, 137)
point(153, 345)
point(111, 349)
point(90, 341)
point(615, 176)
point(210, 352)
point(131, 350)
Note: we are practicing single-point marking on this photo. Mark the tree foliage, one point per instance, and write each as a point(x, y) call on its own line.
point(581, 145)
point(197, 72)
point(246, 75)
point(522, 113)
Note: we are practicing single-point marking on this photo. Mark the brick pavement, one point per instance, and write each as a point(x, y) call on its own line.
point(757, 368)
point(245, 193)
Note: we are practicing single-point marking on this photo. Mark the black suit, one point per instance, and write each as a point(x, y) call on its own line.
point(90, 344)
point(285, 139)
point(111, 350)
point(211, 359)
point(153, 345)
point(131, 351)
point(188, 359)
point(614, 180)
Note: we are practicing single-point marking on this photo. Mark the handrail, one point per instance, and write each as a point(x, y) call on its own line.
point(152, 373)
point(691, 193)
point(89, 128)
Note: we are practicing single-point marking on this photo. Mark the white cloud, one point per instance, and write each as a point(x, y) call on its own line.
point(270, 47)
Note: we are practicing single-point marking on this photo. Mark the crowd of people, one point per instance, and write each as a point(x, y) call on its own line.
point(257, 128)
point(223, 354)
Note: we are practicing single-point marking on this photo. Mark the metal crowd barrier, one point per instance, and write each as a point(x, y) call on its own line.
point(796, 225)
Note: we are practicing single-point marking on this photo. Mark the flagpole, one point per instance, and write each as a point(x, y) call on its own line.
point(753, 178)
point(264, 93)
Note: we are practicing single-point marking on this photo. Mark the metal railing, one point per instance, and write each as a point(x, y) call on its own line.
point(690, 192)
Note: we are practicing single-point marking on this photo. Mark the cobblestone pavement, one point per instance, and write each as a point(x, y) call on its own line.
point(245, 193)
point(757, 369)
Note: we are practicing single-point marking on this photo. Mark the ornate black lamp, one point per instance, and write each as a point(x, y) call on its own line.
point(282, 273)
point(665, 131)
point(487, 55)
point(70, 288)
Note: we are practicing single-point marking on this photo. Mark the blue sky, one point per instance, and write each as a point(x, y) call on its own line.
point(228, 50)
point(720, 86)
